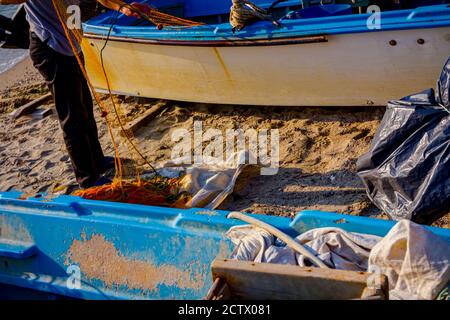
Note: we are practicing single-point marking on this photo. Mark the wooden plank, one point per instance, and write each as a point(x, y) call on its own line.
point(143, 120)
point(31, 106)
point(264, 281)
point(218, 291)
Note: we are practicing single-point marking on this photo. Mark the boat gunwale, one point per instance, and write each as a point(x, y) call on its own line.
point(215, 43)
point(220, 34)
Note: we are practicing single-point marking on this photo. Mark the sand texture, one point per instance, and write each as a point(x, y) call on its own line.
point(318, 151)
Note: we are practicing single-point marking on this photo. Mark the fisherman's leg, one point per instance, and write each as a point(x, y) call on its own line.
point(58, 74)
point(75, 121)
point(43, 59)
point(91, 125)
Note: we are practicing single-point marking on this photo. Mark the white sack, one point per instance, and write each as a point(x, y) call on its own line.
point(415, 260)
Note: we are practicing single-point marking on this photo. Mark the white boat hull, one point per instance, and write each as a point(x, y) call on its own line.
point(349, 70)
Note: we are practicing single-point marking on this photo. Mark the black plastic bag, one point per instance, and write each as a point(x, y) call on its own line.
point(443, 88)
point(407, 170)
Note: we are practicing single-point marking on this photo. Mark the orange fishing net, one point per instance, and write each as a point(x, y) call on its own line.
point(158, 18)
point(157, 191)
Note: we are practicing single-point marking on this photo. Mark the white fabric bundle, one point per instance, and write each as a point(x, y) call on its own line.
point(339, 249)
point(415, 260)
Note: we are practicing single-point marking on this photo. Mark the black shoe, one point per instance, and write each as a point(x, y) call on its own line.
point(102, 181)
point(109, 163)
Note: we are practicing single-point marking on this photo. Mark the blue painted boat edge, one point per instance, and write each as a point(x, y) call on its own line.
point(195, 219)
point(199, 219)
point(319, 219)
point(17, 250)
point(420, 18)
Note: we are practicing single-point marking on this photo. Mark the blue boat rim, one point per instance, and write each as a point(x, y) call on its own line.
point(263, 33)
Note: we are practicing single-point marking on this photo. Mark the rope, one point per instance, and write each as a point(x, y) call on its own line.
point(158, 18)
point(158, 190)
point(125, 132)
point(118, 162)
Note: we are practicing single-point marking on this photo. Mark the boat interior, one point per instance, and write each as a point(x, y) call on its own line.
point(217, 12)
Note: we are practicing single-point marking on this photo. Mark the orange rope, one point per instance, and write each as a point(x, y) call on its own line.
point(157, 191)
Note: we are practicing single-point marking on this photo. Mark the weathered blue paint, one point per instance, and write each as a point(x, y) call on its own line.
point(307, 220)
point(188, 240)
point(17, 249)
point(422, 17)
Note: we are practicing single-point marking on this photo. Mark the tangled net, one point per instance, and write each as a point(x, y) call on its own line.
point(157, 191)
point(156, 17)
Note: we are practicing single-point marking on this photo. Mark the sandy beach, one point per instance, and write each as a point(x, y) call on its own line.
point(319, 148)
point(22, 73)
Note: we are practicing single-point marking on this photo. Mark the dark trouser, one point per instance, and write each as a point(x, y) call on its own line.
point(74, 107)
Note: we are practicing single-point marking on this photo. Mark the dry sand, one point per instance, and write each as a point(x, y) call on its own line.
point(318, 151)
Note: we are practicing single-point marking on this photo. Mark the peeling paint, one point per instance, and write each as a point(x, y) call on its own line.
point(100, 259)
point(12, 228)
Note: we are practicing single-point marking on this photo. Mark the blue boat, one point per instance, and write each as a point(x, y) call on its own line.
point(331, 55)
point(71, 248)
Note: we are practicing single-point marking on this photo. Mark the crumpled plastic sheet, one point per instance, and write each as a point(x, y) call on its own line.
point(405, 172)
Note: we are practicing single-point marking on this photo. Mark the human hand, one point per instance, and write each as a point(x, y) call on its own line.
point(129, 12)
point(140, 7)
